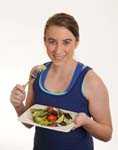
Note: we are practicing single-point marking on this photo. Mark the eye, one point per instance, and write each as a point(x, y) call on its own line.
point(66, 42)
point(51, 41)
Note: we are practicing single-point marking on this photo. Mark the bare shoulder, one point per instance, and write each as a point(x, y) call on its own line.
point(93, 78)
point(94, 85)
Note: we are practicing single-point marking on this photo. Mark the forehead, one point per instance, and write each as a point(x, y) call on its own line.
point(59, 32)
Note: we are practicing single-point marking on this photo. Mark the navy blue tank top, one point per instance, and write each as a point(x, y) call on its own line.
point(71, 99)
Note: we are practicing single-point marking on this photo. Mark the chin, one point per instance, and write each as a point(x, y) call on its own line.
point(59, 62)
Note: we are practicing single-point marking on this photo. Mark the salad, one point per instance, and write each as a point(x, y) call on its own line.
point(50, 116)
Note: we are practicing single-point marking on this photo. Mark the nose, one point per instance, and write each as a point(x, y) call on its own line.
point(58, 48)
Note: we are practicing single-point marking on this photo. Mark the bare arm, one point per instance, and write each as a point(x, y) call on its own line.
point(100, 126)
point(18, 96)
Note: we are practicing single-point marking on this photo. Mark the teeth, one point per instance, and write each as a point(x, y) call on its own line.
point(59, 57)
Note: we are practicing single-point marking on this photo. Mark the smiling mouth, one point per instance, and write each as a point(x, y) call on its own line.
point(59, 57)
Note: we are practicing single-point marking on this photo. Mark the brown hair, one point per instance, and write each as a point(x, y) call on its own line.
point(63, 20)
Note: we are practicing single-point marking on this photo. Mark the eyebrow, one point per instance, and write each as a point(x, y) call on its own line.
point(68, 39)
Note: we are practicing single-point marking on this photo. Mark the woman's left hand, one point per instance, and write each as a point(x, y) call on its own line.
point(81, 119)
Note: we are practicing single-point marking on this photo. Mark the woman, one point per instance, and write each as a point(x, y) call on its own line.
point(67, 84)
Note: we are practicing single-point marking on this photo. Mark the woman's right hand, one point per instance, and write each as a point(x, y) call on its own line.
point(18, 96)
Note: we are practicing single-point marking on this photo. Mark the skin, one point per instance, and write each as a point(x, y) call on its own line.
point(60, 44)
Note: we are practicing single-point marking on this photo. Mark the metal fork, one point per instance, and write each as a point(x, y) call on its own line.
point(34, 74)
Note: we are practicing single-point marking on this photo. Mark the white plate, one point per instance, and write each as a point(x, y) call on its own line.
point(26, 117)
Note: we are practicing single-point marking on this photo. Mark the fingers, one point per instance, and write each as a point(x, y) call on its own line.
point(17, 95)
point(80, 119)
point(19, 88)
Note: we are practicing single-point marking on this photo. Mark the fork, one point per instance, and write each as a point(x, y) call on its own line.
point(34, 74)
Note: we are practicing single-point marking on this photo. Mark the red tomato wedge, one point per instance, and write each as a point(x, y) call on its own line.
point(52, 118)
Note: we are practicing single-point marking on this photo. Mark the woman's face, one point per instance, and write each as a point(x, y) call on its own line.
point(60, 44)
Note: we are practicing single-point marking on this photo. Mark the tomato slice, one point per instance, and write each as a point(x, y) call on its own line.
point(52, 117)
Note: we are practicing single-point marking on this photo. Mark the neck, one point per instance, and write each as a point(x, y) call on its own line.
point(63, 67)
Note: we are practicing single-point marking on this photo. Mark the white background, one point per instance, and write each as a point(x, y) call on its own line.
point(21, 47)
